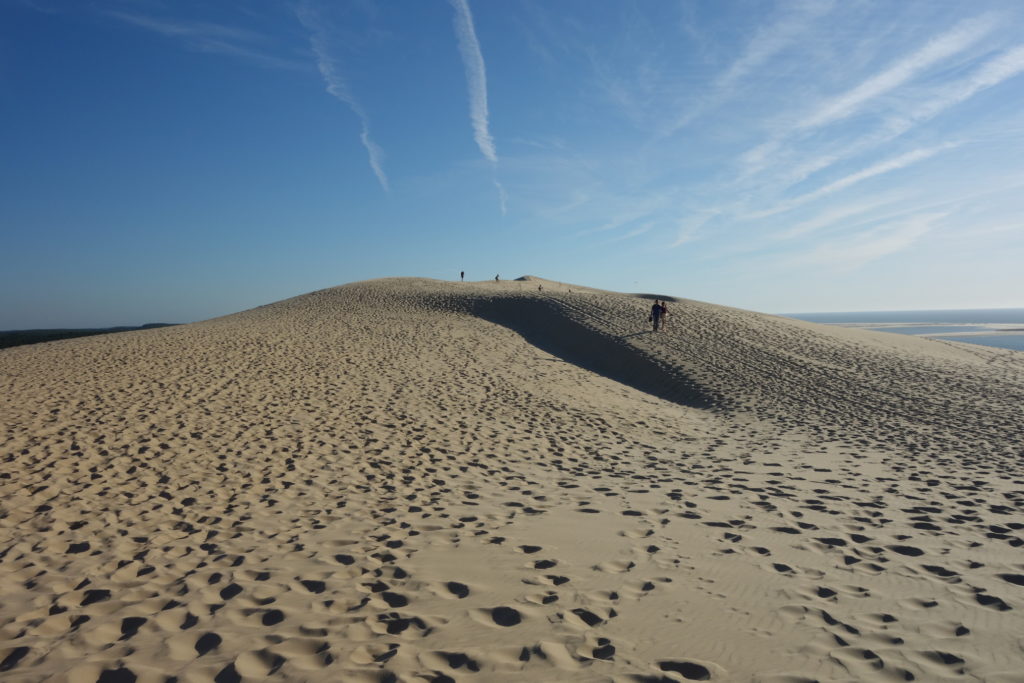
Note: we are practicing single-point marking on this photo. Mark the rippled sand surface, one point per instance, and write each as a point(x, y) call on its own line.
point(414, 480)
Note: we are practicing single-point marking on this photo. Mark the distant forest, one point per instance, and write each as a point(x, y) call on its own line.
point(22, 337)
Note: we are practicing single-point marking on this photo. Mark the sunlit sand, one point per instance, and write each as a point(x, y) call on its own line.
point(415, 480)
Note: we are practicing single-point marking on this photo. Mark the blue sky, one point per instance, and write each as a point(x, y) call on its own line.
point(173, 161)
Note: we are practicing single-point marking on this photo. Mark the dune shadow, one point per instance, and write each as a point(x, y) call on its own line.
point(662, 297)
point(543, 323)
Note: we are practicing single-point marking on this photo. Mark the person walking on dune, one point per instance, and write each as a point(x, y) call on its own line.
point(664, 314)
point(462, 276)
point(655, 316)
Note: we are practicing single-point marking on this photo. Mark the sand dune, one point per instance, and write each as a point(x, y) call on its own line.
point(413, 480)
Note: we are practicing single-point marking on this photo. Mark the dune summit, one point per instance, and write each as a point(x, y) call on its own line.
point(414, 480)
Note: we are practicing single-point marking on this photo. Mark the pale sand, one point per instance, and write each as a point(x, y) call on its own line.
point(414, 480)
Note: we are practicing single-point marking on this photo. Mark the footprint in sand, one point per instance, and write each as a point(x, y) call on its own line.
point(691, 671)
point(503, 616)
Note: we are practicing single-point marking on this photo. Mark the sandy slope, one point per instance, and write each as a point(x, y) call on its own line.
point(425, 481)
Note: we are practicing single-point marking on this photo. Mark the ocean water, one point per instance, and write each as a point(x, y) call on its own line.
point(1009, 316)
point(1002, 341)
point(936, 324)
point(922, 328)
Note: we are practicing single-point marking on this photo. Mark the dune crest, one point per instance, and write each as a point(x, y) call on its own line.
point(416, 480)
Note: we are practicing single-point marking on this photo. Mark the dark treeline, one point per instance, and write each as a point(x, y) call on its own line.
point(21, 337)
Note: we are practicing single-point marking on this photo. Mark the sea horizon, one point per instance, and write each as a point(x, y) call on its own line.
point(998, 327)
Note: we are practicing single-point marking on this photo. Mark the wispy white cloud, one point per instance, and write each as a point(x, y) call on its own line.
point(476, 81)
point(927, 106)
point(956, 40)
point(898, 209)
point(212, 38)
point(902, 161)
point(833, 216)
point(476, 78)
point(338, 87)
point(854, 251)
point(993, 72)
point(770, 40)
point(629, 209)
point(502, 197)
point(887, 166)
point(635, 232)
point(690, 227)
point(850, 103)
point(756, 158)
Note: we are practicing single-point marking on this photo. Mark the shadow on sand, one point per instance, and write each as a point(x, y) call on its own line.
point(543, 323)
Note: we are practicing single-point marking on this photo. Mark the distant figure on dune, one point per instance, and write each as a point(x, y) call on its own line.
point(462, 276)
point(664, 314)
point(657, 311)
point(540, 288)
point(496, 278)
